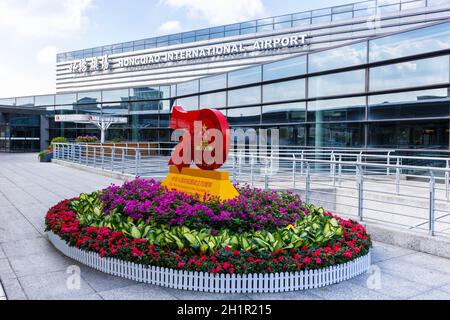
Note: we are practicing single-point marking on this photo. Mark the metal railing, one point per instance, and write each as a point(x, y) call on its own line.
point(376, 186)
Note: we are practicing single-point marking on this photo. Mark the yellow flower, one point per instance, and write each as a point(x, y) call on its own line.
point(290, 227)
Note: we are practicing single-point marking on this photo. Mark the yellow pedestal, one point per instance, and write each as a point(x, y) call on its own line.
point(201, 182)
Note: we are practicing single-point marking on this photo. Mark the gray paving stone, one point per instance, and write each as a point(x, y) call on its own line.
point(6, 272)
point(2, 254)
point(415, 273)
point(297, 295)
point(433, 295)
point(39, 245)
point(428, 261)
point(382, 252)
point(36, 286)
point(392, 286)
point(193, 295)
point(348, 291)
point(100, 281)
point(137, 292)
point(15, 231)
point(35, 264)
point(13, 289)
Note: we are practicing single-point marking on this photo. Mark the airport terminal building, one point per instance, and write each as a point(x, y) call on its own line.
point(373, 74)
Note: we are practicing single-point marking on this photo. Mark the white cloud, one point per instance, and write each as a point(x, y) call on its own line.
point(47, 55)
point(173, 26)
point(43, 18)
point(217, 12)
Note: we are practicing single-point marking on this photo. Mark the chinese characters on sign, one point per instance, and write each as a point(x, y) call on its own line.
point(90, 65)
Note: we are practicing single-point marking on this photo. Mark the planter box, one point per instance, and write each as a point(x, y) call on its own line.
point(46, 158)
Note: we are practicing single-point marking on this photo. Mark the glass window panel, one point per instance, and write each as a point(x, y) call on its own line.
point(321, 12)
point(284, 91)
point(364, 5)
point(202, 38)
point(115, 95)
point(263, 22)
point(337, 84)
point(217, 29)
point(217, 35)
point(187, 88)
point(231, 27)
point(25, 102)
point(340, 135)
point(213, 83)
point(302, 15)
point(410, 43)
point(244, 76)
point(174, 42)
point(284, 113)
point(89, 108)
point(342, 16)
point(92, 97)
point(410, 74)
point(144, 120)
point(189, 104)
point(389, 9)
point(202, 32)
point(342, 9)
point(347, 109)
point(286, 18)
point(143, 107)
point(165, 105)
point(248, 30)
point(409, 135)
point(232, 33)
point(145, 93)
point(188, 40)
point(68, 98)
point(268, 27)
point(342, 57)
point(44, 100)
point(413, 5)
point(283, 25)
point(164, 92)
point(364, 13)
point(8, 102)
point(432, 3)
point(115, 109)
point(248, 24)
point(298, 23)
point(213, 100)
point(164, 120)
point(245, 96)
point(413, 104)
point(387, 2)
point(321, 19)
point(244, 116)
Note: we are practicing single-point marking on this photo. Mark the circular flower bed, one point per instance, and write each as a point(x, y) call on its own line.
point(258, 232)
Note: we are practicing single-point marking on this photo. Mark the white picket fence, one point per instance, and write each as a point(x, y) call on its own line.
point(208, 282)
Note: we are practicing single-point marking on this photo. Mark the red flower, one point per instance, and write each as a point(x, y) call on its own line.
point(225, 265)
point(318, 261)
point(307, 260)
point(227, 248)
point(236, 253)
point(180, 264)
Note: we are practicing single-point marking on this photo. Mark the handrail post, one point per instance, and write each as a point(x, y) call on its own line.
point(102, 154)
point(135, 162)
point(340, 169)
point(307, 183)
point(123, 160)
point(113, 153)
point(294, 172)
point(252, 175)
point(360, 188)
point(302, 158)
point(333, 169)
point(266, 175)
point(95, 155)
point(388, 170)
point(432, 203)
point(447, 182)
point(397, 177)
point(234, 166)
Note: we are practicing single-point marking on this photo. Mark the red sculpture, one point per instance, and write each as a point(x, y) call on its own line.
point(206, 140)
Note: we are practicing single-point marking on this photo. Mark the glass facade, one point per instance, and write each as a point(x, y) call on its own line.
point(339, 13)
point(386, 92)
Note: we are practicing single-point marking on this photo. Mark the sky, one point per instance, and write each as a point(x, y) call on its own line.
point(33, 31)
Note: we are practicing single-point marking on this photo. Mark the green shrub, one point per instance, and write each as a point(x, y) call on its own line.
point(59, 140)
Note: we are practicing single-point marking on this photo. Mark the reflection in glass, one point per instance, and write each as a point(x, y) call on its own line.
point(244, 116)
point(245, 96)
point(415, 104)
point(284, 113)
point(213, 100)
point(145, 93)
point(340, 135)
point(244, 76)
point(44, 100)
point(68, 98)
point(145, 107)
point(188, 104)
point(213, 83)
point(342, 57)
point(410, 43)
point(406, 135)
point(115, 109)
point(410, 74)
point(187, 88)
point(25, 102)
point(284, 91)
point(347, 109)
point(337, 84)
point(115, 95)
point(285, 68)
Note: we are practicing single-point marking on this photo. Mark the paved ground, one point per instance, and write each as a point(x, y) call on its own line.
point(30, 268)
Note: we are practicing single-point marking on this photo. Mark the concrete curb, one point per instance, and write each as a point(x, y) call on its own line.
point(437, 246)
